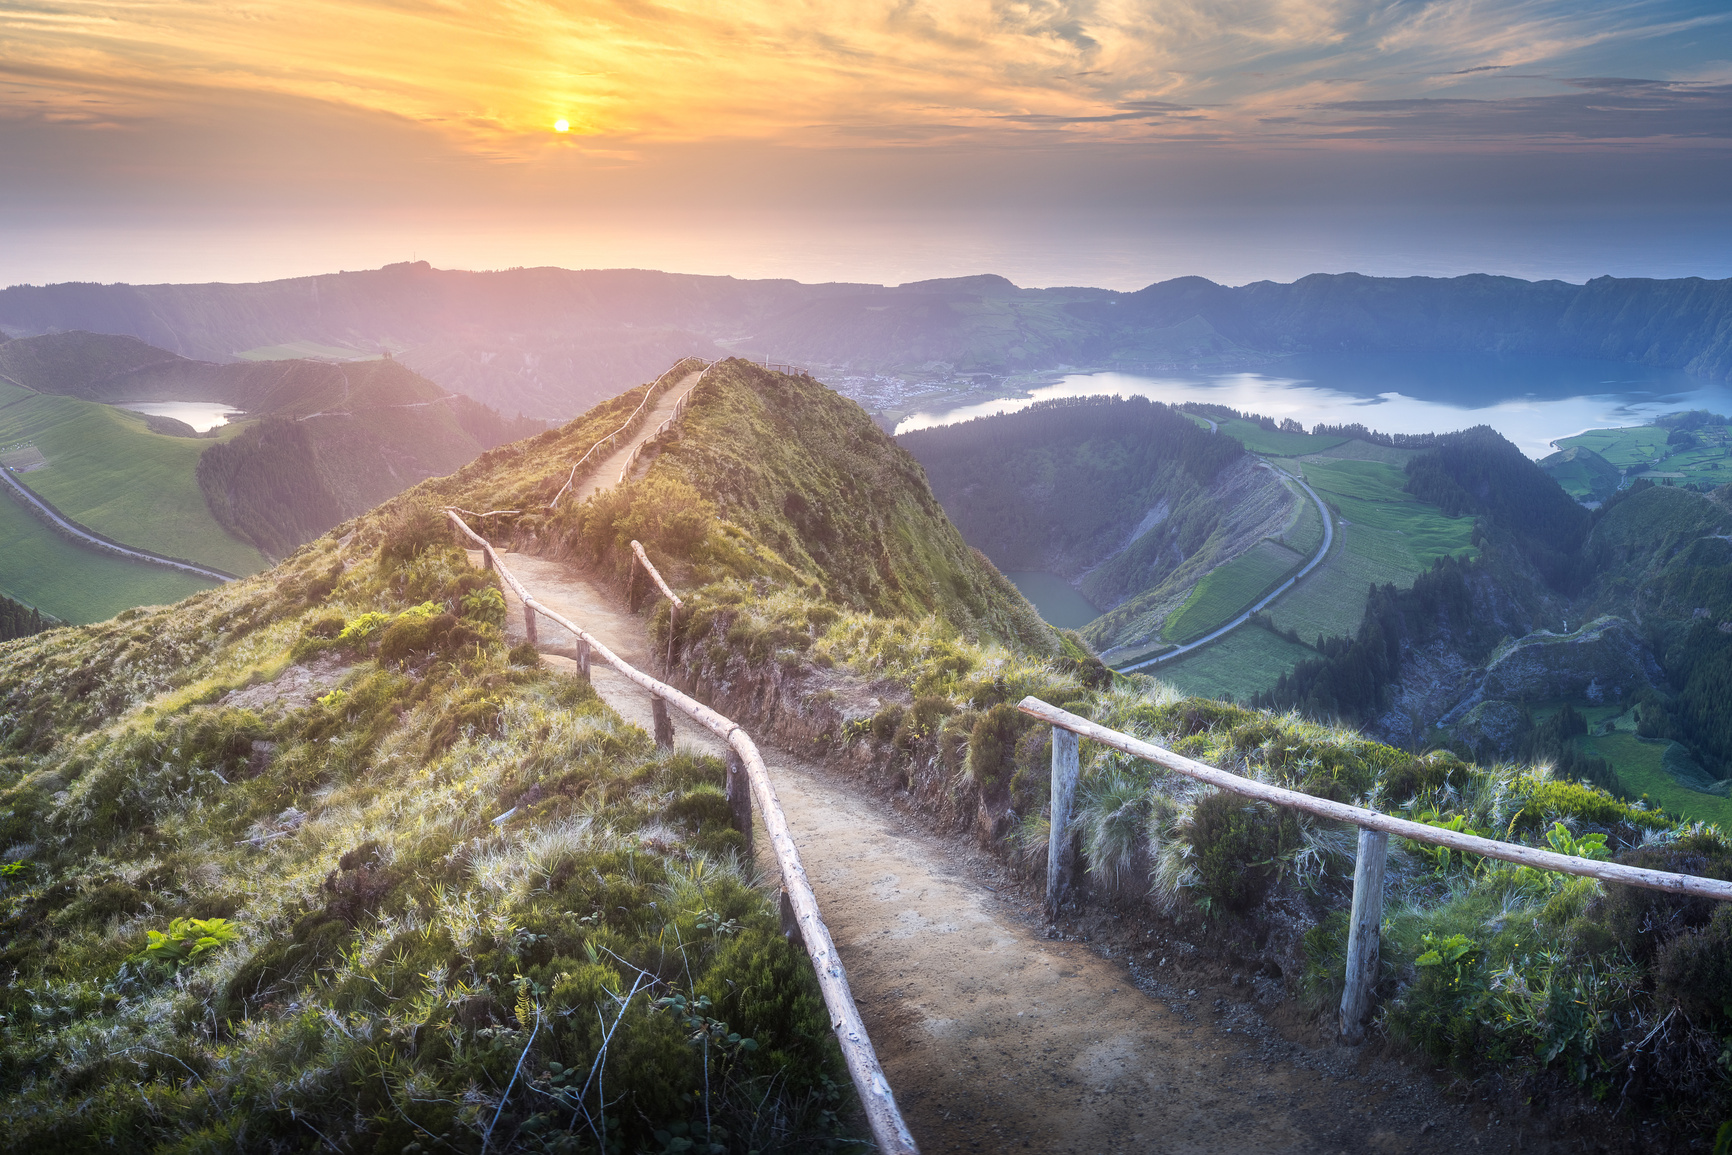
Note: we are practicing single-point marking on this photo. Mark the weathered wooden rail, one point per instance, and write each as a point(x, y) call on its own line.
point(609, 440)
point(679, 410)
point(746, 766)
point(1366, 919)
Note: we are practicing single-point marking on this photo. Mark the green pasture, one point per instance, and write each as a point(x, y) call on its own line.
point(1274, 443)
point(1331, 600)
point(10, 393)
point(1640, 764)
point(1579, 480)
point(1390, 538)
point(1228, 590)
point(108, 471)
point(1245, 662)
point(1306, 533)
point(41, 568)
point(1632, 445)
point(1369, 480)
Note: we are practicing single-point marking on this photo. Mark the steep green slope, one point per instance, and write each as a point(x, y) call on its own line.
point(390, 895)
point(425, 871)
point(1583, 474)
point(821, 495)
point(108, 471)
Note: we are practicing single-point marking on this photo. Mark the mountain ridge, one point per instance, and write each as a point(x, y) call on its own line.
point(554, 341)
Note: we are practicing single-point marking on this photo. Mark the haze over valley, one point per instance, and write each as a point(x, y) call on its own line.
point(920, 576)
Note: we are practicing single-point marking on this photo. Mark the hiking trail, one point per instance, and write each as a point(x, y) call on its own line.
point(995, 1036)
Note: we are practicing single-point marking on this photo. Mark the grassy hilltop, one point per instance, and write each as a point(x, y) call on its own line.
point(314, 858)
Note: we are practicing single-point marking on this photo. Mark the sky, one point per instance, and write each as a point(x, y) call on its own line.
point(1103, 142)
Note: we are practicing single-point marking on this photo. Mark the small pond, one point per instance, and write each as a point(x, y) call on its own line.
point(1057, 602)
point(203, 416)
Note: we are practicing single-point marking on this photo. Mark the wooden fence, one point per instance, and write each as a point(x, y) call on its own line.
point(1366, 919)
point(746, 767)
point(679, 411)
point(612, 439)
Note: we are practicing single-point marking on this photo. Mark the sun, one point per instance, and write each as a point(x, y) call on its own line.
point(562, 125)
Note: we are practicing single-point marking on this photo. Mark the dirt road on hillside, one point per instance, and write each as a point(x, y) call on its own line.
point(996, 1037)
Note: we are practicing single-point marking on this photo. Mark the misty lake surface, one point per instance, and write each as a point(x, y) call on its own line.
point(203, 416)
point(1060, 605)
point(1533, 401)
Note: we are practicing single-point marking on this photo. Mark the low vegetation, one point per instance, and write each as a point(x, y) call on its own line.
point(407, 891)
point(411, 888)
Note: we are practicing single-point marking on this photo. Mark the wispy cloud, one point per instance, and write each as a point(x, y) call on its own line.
point(492, 77)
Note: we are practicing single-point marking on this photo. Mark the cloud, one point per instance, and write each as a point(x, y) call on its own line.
point(1595, 109)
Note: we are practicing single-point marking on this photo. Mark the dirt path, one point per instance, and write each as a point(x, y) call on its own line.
point(606, 475)
point(996, 1037)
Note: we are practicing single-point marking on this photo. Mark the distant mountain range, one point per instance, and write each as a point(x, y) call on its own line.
point(550, 342)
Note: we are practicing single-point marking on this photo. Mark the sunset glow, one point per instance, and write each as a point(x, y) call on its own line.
point(150, 112)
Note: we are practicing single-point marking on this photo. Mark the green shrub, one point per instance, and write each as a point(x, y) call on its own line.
point(411, 528)
point(922, 722)
point(1637, 921)
point(1695, 968)
point(992, 745)
point(1237, 844)
point(188, 939)
point(485, 605)
point(1550, 800)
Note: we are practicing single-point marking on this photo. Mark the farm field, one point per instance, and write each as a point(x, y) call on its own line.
point(107, 471)
point(1631, 445)
point(1389, 538)
point(1273, 442)
point(1245, 662)
point(1307, 531)
point(75, 584)
point(1230, 589)
point(1640, 766)
point(1644, 447)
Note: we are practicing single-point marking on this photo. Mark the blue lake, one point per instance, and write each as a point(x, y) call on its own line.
point(1531, 400)
point(1060, 605)
point(203, 416)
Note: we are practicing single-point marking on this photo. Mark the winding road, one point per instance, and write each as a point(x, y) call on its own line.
point(1322, 552)
point(85, 537)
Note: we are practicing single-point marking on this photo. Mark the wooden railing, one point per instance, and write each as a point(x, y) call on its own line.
point(1365, 925)
point(679, 410)
point(609, 440)
point(748, 778)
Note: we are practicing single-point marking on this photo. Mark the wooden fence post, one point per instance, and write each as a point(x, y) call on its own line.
point(673, 620)
point(529, 625)
point(791, 922)
point(583, 659)
point(664, 725)
point(1363, 934)
point(739, 790)
point(1064, 775)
